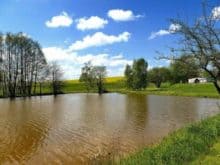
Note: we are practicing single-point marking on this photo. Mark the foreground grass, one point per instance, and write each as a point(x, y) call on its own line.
point(211, 158)
point(182, 146)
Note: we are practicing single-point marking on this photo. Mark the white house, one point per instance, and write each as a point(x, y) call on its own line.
point(197, 80)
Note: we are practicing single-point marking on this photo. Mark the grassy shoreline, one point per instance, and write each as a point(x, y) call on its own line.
point(184, 146)
point(117, 85)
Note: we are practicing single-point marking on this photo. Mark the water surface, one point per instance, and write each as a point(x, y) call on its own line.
point(78, 128)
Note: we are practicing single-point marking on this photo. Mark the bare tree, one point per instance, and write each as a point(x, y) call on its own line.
point(20, 58)
point(42, 77)
point(100, 74)
point(87, 76)
point(93, 76)
point(1, 62)
point(201, 41)
point(56, 78)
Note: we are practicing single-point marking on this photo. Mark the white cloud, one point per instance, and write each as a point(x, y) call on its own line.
point(93, 22)
point(216, 13)
point(99, 39)
point(71, 62)
point(122, 15)
point(62, 20)
point(172, 29)
point(159, 33)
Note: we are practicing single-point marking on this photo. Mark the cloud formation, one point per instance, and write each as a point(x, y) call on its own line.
point(62, 20)
point(122, 15)
point(99, 39)
point(71, 62)
point(172, 29)
point(216, 13)
point(93, 22)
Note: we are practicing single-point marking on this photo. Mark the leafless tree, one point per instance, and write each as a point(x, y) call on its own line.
point(20, 60)
point(201, 41)
point(93, 76)
point(56, 78)
point(100, 74)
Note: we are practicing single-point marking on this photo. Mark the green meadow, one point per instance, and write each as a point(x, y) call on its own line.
point(117, 84)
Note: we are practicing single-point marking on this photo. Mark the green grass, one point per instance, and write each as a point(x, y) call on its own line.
point(117, 84)
point(193, 90)
point(211, 158)
point(183, 146)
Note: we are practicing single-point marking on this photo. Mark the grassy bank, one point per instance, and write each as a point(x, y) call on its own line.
point(184, 146)
point(210, 158)
point(116, 84)
point(192, 90)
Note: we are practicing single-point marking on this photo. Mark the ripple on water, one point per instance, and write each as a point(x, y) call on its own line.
point(80, 128)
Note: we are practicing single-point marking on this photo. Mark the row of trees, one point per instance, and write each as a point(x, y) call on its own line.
point(23, 66)
point(138, 77)
point(179, 71)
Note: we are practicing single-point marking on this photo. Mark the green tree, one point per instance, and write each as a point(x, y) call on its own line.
point(128, 76)
point(87, 76)
point(93, 76)
point(184, 68)
point(159, 75)
point(136, 76)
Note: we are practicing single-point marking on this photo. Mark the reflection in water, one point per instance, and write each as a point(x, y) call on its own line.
point(76, 128)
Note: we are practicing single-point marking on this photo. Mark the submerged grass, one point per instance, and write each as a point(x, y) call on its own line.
point(181, 147)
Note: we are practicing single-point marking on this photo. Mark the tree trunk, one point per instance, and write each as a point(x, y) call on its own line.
point(217, 87)
point(40, 88)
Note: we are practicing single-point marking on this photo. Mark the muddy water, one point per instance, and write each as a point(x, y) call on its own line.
point(79, 128)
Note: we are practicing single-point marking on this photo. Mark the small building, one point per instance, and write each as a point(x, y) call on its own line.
point(197, 80)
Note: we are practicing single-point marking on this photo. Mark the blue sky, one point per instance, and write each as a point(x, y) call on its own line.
point(107, 32)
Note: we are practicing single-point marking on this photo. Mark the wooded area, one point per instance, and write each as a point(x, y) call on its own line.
point(22, 65)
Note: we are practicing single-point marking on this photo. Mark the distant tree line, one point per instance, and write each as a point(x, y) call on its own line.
point(137, 76)
point(23, 67)
point(179, 71)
